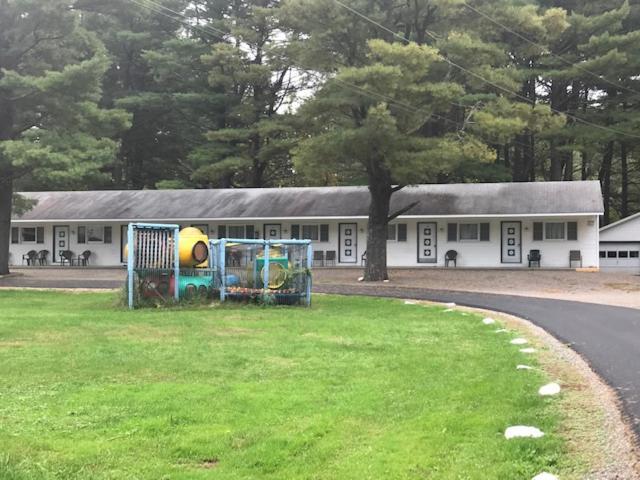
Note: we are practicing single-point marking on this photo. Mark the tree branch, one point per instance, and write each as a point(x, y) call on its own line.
point(403, 210)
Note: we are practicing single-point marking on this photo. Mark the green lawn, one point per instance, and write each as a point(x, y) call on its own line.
point(352, 388)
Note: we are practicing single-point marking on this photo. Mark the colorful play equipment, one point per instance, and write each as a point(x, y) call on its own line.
point(166, 264)
point(162, 257)
point(271, 271)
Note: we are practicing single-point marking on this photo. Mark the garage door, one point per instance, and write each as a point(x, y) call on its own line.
point(620, 258)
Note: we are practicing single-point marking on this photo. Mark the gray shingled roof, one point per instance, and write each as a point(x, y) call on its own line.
point(434, 200)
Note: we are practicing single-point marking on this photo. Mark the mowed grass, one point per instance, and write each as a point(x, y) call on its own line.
point(352, 388)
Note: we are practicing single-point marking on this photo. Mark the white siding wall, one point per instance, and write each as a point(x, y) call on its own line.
point(555, 254)
point(625, 232)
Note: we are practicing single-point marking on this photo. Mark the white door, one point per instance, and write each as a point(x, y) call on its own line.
point(511, 242)
point(348, 243)
point(60, 241)
point(427, 242)
point(272, 231)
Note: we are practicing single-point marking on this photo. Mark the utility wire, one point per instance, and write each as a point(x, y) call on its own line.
point(219, 34)
point(480, 77)
point(563, 60)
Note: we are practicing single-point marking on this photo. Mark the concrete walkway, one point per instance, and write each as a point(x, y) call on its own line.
point(607, 337)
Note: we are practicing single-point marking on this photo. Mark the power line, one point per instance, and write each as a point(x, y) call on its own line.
point(480, 77)
point(565, 61)
point(222, 36)
point(359, 90)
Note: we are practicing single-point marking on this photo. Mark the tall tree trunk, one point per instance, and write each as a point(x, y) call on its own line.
point(6, 195)
point(380, 191)
point(558, 103)
point(624, 169)
point(585, 170)
point(605, 181)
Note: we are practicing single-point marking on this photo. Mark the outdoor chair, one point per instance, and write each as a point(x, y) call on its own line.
point(330, 259)
point(575, 256)
point(363, 259)
point(31, 256)
point(66, 256)
point(318, 258)
point(83, 258)
point(534, 258)
point(451, 256)
point(42, 257)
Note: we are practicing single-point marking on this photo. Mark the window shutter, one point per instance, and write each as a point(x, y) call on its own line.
point(82, 234)
point(324, 233)
point(15, 235)
point(485, 228)
point(572, 231)
point(537, 231)
point(249, 231)
point(402, 232)
point(452, 232)
point(40, 235)
point(222, 231)
point(108, 235)
point(295, 231)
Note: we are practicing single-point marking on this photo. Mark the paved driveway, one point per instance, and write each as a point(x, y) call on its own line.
point(608, 337)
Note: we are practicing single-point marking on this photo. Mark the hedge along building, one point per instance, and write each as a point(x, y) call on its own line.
point(488, 225)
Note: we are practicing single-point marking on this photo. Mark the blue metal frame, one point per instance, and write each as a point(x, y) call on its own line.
point(131, 256)
point(221, 245)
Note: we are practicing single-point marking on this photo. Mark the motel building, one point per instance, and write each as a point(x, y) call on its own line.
point(488, 225)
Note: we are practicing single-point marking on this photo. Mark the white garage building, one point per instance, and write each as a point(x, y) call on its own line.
point(488, 225)
point(620, 245)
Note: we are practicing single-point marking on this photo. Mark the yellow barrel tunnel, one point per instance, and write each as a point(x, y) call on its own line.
point(194, 248)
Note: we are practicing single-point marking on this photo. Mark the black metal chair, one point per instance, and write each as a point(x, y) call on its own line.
point(318, 258)
point(534, 258)
point(330, 258)
point(575, 256)
point(363, 259)
point(30, 257)
point(66, 256)
point(42, 257)
point(83, 258)
point(451, 256)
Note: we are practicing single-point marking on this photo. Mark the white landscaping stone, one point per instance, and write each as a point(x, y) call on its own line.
point(549, 389)
point(361, 279)
point(409, 302)
point(519, 341)
point(528, 350)
point(502, 330)
point(450, 305)
point(488, 321)
point(524, 367)
point(522, 431)
point(545, 476)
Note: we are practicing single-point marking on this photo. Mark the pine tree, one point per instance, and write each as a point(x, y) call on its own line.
point(50, 123)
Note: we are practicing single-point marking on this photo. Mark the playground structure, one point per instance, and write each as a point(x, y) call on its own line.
point(273, 271)
point(168, 265)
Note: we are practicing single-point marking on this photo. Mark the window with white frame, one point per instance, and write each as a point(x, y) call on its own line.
point(31, 235)
point(94, 234)
point(554, 231)
point(469, 231)
point(236, 231)
point(310, 232)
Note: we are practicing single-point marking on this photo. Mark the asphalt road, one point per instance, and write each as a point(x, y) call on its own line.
point(607, 337)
